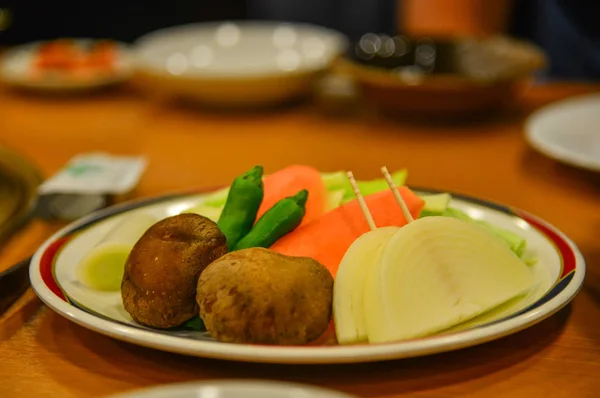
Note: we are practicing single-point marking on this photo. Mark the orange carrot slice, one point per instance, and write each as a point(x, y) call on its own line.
point(327, 238)
point(287, 182)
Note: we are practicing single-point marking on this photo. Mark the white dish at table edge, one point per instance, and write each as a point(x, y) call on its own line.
point(568, 131)
point(560, 260)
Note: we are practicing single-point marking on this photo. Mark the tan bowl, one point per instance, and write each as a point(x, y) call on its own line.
point(493, 71)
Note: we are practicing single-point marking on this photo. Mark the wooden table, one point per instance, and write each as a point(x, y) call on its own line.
point(44, 355)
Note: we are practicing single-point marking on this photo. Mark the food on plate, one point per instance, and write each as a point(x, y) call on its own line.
point(243, 200)
point(207, 211)
point(327, 238)
point(241, 219)
point(514, 241)
point(334, 199)
point(102, 54)
point(217, 198)
point(439, 205)
point(348, 290)
point(195, 325)
point(289, 181)
point(437, 272)
point(423, 278)
point(337, 180)
point(337, 190)
point(212, 205)
point(435, 204)
point(103, 266)
point(245, 264)
point(74, 59)
point(56, 54)
point(162, 270)
point(278, 221)
point(257, 296)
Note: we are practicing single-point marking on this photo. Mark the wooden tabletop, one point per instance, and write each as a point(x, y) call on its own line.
point(44, 355)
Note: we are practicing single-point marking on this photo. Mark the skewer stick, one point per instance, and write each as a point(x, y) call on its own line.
point(361, 201)
point(388, 178)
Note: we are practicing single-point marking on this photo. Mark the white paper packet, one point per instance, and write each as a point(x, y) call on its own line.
point(96, 173)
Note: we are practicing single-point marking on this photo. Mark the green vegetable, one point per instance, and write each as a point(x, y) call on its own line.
point(338, 180)
point(334, 199)
point(279, 220)
point(334, 181)
point(516, 243)
point(195, 324)
point(529, 259)
point(436, 203)
point(377, 185)
point(217, 198)
point(102, 268)
point(205, 210)
point(243, 201)
point(455, 213)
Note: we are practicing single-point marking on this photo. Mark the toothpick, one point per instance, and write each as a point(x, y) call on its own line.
point(361, 201)
point(388, 178)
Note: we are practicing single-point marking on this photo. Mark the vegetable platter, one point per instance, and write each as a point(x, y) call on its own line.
point(303, 266)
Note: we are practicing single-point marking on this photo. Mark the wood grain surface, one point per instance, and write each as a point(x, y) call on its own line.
point(44, 355)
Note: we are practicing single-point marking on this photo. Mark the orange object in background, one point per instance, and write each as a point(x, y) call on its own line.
point(102, 55)
point(58, 54)
point(65, 56)
point(454, 17)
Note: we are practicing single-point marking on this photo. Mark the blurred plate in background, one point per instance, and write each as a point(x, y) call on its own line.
point(66, 65)
point(568, 131)
point(237, 63)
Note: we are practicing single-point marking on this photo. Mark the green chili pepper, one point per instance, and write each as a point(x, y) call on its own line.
point(243, 201)
point(279, 220)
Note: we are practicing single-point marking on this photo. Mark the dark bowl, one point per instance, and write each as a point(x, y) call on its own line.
point(440, 76)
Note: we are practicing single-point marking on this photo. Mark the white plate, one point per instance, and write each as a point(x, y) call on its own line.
point(233, 389)
point(568, 131)
point(238, 50)
point(15, 66)
point(559, 273)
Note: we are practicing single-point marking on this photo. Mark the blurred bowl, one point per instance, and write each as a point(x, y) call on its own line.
point(236, 63)
point(440, 76)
